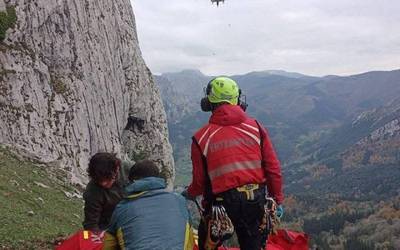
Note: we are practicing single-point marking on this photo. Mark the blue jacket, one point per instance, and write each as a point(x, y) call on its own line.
point(149, 218)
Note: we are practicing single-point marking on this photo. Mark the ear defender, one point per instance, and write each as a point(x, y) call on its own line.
point(205, 104)
point(242, 104)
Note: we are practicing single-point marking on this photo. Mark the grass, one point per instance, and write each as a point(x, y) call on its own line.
point(7, 20)
point(34, 209)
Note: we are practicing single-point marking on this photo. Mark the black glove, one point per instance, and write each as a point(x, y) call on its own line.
point(187, 195)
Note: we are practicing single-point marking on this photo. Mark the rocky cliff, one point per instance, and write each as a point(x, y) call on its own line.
point(73, 82)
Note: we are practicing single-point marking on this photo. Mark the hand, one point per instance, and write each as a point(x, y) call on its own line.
point(279, 211)
point(186, 194)
point(97, 237)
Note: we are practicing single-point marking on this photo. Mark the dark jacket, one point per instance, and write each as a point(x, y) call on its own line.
point(100, 202)
point(99, 205)
point(149, 218)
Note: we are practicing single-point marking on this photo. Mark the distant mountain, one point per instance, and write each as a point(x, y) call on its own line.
point(369, 127)
point(290, 96)
point(181, 93)
point(279, 73)
point(302, 109)
point(175, 103)
point(306, 116)
point(356, 93)
point(360, 159)
point(189, 83)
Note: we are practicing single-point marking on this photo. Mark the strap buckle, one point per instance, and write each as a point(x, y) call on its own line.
point(248, 189)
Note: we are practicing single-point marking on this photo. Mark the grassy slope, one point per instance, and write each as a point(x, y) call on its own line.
point(33, 215)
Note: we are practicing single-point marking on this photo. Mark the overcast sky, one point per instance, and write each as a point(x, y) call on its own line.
point(315, 37)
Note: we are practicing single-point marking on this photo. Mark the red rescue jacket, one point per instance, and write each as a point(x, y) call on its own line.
point(230, 143)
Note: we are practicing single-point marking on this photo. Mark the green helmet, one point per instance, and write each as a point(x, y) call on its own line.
point(223, 89)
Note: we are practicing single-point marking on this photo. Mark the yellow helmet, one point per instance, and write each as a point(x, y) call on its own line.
point(223, 89)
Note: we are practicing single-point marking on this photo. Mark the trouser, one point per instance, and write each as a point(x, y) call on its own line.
point(246, 215)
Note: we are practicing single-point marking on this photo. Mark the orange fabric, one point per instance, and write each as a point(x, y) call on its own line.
point(78, 242)
point(288, 240)
point(283, 240)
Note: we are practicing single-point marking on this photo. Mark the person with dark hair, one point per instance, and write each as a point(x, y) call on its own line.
point(149, 217)
point(143, 169)
point(103, 192)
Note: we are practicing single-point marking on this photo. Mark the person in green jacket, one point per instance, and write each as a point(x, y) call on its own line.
point(103, 192)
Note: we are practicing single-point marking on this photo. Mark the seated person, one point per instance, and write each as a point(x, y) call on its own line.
point(149, 217)
point(103, 192)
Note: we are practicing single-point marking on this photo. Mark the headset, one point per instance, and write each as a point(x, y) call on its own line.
point(207, 106)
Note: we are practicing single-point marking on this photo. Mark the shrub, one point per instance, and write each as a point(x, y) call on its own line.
point(7, 20)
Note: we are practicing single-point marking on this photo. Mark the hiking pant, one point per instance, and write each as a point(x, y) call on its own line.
point(246, 216)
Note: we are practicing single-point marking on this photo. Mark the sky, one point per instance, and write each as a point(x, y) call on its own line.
point(313, 37)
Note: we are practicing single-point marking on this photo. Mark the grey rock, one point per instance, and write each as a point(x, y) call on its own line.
point(2, 5)
point(389, 129)
point(41, 184)
point(71, 76)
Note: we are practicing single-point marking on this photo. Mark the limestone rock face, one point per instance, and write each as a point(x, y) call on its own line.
point(73, 82)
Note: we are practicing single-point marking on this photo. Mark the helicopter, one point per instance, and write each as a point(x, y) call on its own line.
point(217, 1)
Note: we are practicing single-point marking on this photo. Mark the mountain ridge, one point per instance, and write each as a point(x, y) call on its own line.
point(291, 107)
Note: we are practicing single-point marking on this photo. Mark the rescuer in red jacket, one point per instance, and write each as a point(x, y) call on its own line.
point(234, 162)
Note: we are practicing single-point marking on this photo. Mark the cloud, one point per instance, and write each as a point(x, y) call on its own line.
point(311, 36)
